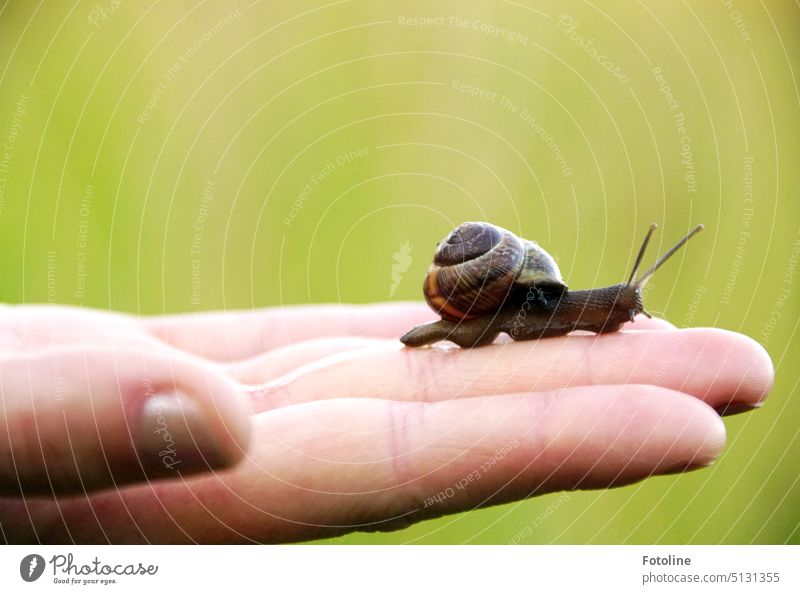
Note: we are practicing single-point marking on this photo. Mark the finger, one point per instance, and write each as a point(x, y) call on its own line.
point(282, 360)
point(714, 365)
point(336, 466)
point(29, 328)
point(81, 419)
point(230, 336)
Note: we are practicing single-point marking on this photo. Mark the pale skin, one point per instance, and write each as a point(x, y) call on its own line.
point(325, 424)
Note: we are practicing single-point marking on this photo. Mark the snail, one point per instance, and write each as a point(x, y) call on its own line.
point(485, 280)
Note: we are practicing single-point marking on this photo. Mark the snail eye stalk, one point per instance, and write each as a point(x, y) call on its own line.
point(642, 249)
point(647, 275)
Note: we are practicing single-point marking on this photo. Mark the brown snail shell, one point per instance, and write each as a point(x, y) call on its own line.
point(479, 265)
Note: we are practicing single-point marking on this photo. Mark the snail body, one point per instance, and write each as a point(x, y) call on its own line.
point(485, 280)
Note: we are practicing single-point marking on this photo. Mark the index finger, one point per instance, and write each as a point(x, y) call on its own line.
point(235, 335)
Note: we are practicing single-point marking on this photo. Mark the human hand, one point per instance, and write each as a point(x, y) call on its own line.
point(348, 429)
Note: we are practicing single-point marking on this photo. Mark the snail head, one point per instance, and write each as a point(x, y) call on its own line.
point(637, 284)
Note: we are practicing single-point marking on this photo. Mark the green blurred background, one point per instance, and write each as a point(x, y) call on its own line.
point(185, 156)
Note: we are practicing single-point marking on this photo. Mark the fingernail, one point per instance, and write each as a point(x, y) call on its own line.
point(682, 467)
point(175, 437)
point(735, 408)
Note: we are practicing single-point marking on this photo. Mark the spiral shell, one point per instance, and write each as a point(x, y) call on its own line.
point(479, 265)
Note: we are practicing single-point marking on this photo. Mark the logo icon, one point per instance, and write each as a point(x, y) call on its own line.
point(31, 567)
point(402, 260)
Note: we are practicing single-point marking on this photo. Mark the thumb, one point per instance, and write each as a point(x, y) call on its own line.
point(74, 420)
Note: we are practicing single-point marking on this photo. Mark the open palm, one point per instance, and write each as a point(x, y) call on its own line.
point(297, 423)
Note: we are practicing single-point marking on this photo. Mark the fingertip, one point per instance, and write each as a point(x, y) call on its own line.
point(635, 431)
point(177, 435)
point(711, 435)
point(688, 431)
point(760, 378)
point(180, 419)
point(81, 420)
point(754, 372)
